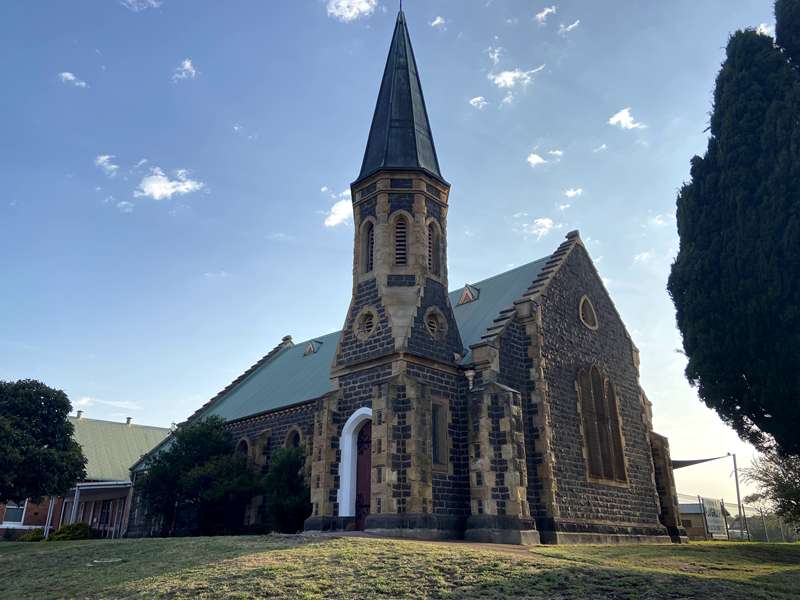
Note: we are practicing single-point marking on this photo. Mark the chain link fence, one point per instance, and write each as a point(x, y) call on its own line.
point(715, 519)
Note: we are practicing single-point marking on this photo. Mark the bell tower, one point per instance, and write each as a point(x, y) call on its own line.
point(400, 199)
point(395, 370)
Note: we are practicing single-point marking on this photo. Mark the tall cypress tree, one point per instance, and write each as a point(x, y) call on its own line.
point(736, 280)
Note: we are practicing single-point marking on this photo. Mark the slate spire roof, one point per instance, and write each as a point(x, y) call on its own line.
point(400, 136)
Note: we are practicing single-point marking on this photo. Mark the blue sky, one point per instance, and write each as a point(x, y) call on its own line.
point(175, 176)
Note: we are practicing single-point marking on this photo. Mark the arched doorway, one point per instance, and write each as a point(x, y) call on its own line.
point(356, 435)
point(363, 473)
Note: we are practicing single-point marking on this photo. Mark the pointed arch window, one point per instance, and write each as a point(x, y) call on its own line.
point(368, 247)
point(434, 249)
point(600, 421)
point(587, 314)
point(401, 241)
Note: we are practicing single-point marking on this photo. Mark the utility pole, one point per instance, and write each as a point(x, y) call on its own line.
point(764, 523)
point(742, 519)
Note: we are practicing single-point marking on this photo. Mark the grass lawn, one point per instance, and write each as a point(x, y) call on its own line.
point(351, 567)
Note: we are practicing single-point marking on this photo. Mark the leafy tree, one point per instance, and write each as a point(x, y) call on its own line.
point(198, 472)
point(787, 28)
point(38, 456)
point(287, 501)
point(736, 280)
point(778, 481)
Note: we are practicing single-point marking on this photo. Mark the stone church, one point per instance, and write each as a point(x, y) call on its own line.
point(508, 410)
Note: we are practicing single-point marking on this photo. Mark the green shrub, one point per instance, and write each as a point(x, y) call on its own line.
point(76, 531)
point(286, 498)
point(37, 535)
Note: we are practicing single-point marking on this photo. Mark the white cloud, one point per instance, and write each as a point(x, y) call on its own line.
point(140, 164)
point(104, 161)
point(542, 15)
point(340, 213)
point(238, 128)
point(764, 29)
point(221, 274)
point(140, 5)
point(564, 30)
point(563, 207)
point(540, 227)
point(158, 186)
point(573, 192)
point(350, 10)
point(342, 210)
point(643, 257)
point(661, 220)
point(125, 207)
point(535, 160)
point(324, 189)
point(556, 153)
point(507, 99)
point(510, 79)
point(185, 70)
point(70, 78)
point(439, 23)
point(624, 119)
point(87, 401)
point(600, 148)
point(519, 215)
point(495, 53)
point(479, 102)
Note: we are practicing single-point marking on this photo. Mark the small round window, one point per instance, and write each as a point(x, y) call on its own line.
point(365, 324)
point(435, 323)
point(588, 316)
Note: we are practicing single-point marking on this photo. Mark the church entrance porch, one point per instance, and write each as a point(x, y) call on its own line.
point(363, 468)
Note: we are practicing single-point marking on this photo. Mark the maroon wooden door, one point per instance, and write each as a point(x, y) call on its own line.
point(363, 473)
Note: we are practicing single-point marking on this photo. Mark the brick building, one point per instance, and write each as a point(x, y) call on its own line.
point(101, 499)
point(507, 410)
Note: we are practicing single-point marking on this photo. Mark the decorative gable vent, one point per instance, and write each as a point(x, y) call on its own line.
point(470, 294)
point(312, 348)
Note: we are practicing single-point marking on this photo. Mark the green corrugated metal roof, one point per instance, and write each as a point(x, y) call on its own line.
point(495, 294)
point(290, 376)
point(111, 448)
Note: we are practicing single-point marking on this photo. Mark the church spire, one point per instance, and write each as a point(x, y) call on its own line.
point(400, 137)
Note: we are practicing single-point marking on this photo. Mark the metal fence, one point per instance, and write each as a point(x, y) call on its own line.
point(712, 518)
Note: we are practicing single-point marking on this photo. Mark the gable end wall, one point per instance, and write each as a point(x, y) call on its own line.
point(568, 346)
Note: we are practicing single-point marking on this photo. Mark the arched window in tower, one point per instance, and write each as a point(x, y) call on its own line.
point(600, 421)
point(434, 249)
point(401, 241)
point(368, 247)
